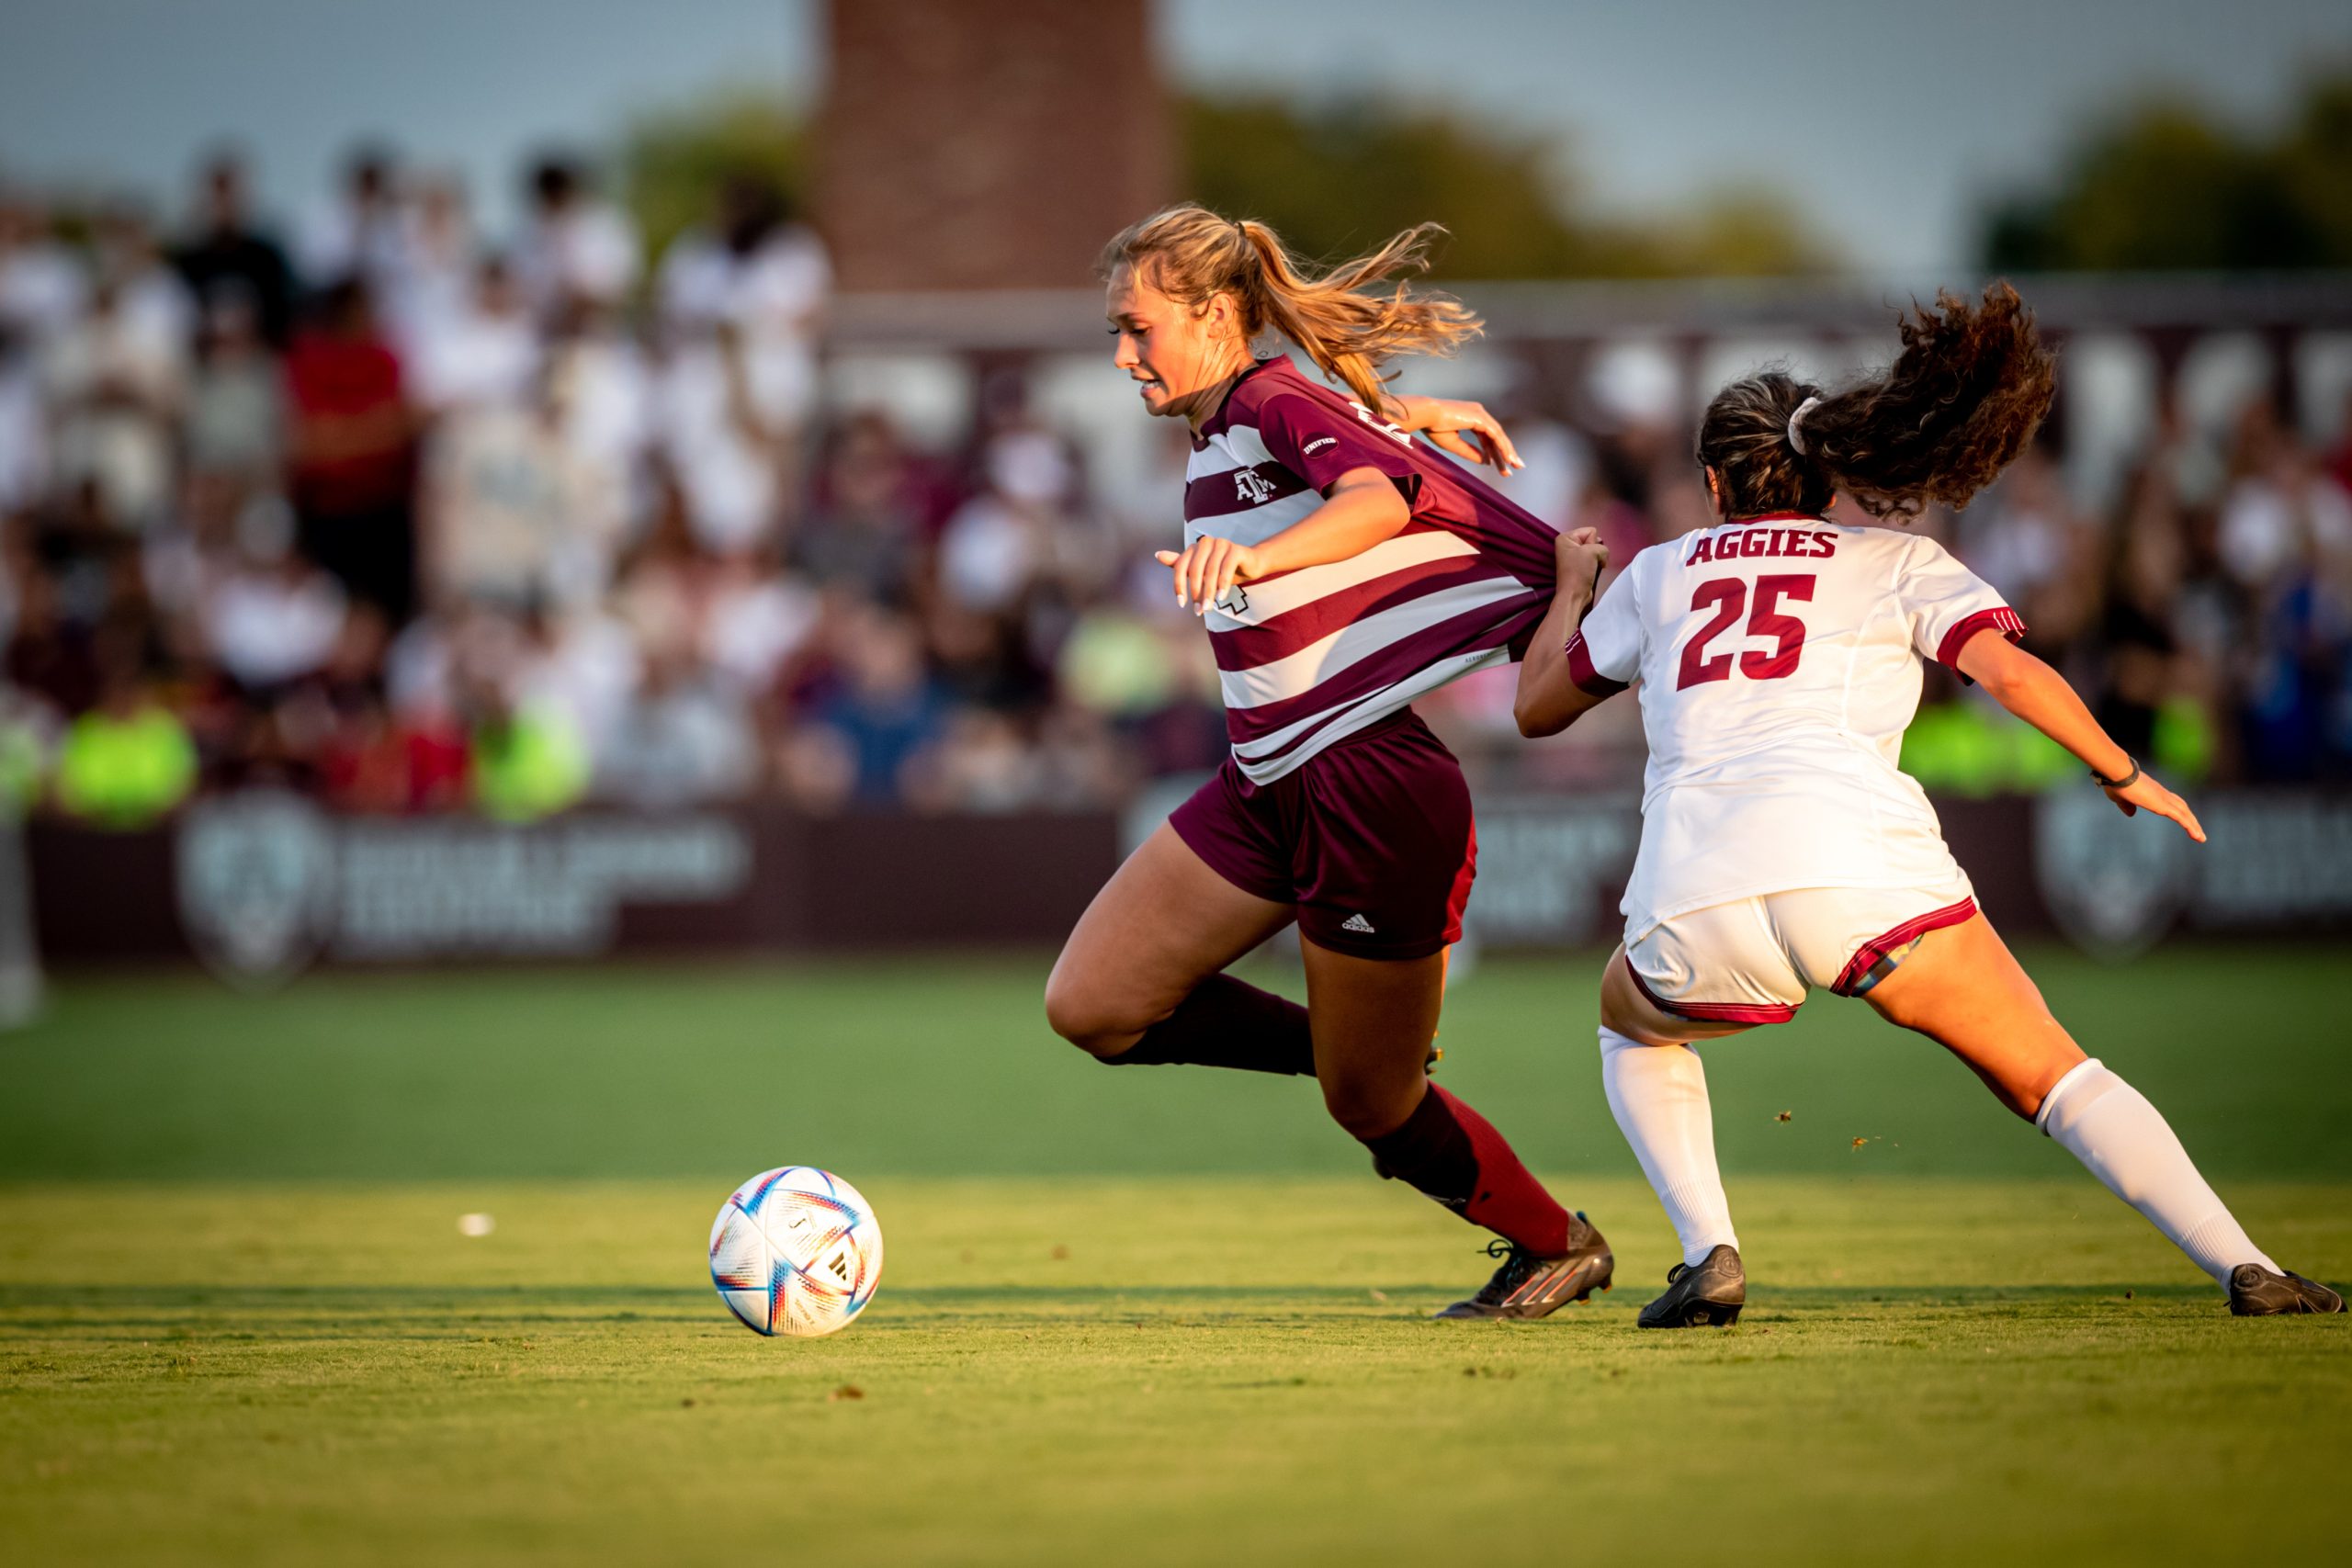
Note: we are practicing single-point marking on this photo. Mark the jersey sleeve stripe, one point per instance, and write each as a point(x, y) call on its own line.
point(1581, 671)
point(1486, 629)
point(1270, 757)
point(1286, 590)
point(1258, 524)
point(1305, 673)
point(1234, 446)
point(1279, 635)
point(1999, 618)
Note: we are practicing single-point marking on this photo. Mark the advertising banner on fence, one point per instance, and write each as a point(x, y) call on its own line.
point(260, 885)
point(267, 883)
point(1550, 870)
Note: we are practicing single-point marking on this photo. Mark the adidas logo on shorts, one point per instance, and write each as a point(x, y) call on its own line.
point(1358, 925)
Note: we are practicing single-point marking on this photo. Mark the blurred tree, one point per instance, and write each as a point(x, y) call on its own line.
point(2316, 164)
point(1339, 179)
point(1332, 179)
point(2162, 187)
point(673, 161)
point(1738, 232)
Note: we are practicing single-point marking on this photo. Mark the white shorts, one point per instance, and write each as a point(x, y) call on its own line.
point(1752, 961)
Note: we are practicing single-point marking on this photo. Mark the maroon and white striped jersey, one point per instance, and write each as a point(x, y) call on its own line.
point(1307, 657)
point(1780, 661)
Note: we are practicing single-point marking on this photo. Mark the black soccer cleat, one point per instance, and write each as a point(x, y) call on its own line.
point(1529, 1286)
point(2255, 1292)
point(1707, 1296)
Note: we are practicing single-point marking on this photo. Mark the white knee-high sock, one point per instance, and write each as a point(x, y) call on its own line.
point(1658, 1094)
point(2111, 1128)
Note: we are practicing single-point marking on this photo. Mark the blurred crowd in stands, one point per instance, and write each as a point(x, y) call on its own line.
point(385, 514)
point(2206, 613)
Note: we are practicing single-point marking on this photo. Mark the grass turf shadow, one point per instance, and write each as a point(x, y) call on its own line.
point(390, 1311)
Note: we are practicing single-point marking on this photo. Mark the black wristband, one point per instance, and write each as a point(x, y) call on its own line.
point(2126, 782)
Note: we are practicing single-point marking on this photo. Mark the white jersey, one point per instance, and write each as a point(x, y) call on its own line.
point(1780, 663)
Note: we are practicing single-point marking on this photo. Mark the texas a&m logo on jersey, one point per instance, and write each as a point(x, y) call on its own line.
point(1249, 485)
point(1394, 432)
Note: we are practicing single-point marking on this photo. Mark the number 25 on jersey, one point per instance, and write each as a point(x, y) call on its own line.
point(1728, 598)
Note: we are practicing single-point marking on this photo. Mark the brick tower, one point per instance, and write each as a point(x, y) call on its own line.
point(997, 145)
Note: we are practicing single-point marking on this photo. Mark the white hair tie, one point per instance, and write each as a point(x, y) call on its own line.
point(1796, 436)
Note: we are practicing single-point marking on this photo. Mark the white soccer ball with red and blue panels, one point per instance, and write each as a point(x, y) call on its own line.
point(796, 1251)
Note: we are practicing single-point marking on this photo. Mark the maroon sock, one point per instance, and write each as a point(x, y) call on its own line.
point(1227, 1023)
point(1449, 1151)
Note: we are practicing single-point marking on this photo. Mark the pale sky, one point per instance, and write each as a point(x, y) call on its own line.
point(1884, 122)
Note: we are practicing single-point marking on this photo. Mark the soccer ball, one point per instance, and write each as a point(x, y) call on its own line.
point(796, 1251)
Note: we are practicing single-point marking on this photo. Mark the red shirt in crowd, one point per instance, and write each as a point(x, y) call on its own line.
point(352, 447)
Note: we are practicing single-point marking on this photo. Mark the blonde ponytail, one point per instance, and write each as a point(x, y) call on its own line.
point(1192, 255)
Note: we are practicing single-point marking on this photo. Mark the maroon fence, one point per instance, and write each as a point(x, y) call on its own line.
point(263, 884)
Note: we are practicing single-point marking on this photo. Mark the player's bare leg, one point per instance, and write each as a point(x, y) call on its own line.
point(1373, 1020)
point(1152, 945)
point(1657, 1091)
point(1963, 988)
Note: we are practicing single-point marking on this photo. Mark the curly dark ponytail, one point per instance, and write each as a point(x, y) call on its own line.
point(1959, 403)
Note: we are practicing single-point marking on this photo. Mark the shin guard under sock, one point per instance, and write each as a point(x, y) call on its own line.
point(1449, 1152)
point(1223, 1023)
point(1658, 1094)
point(2113, 1129)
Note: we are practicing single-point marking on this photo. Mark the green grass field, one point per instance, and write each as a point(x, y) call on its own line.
point(1145, 1316)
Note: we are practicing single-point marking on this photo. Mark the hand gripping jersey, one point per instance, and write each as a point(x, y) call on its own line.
point(1780, 663)
point(1307, 657)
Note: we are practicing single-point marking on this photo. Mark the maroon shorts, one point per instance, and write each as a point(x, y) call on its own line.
point(1372, 838)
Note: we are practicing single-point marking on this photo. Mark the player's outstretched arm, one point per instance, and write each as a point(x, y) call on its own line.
point(1361, 508)
point(1459, 426)
point(2040, 697)
point(1549, 698)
